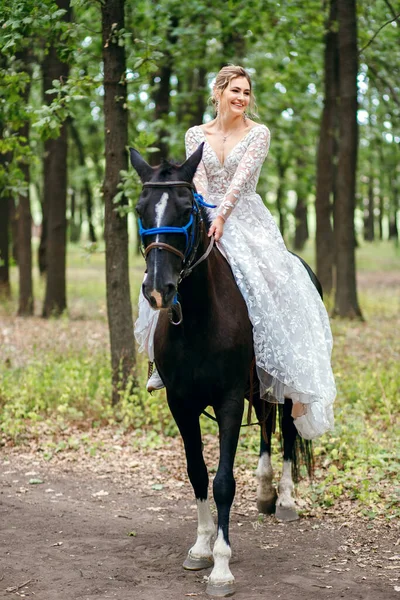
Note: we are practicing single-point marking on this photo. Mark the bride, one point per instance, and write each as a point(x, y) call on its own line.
point(291, 331)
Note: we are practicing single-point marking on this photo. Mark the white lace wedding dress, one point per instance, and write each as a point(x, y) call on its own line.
point(292, 336)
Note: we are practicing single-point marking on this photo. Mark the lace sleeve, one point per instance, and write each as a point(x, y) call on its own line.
point(251, 161)
point(200, 179)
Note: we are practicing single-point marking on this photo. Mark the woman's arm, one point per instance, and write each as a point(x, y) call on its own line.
point(251, 161)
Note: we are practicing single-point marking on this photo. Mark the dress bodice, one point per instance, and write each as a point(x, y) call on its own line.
point(226, 183)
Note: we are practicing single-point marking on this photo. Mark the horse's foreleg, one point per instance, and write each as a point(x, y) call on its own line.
point(266, 492)
point(285, 505)
point(200, 554)
point(229, 416)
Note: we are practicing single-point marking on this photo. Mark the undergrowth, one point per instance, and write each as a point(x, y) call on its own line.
point(358, 462)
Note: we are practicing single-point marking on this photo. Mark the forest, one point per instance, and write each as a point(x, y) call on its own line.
point(81, 81)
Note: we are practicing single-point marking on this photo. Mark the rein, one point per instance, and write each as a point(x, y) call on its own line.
point(191, 231)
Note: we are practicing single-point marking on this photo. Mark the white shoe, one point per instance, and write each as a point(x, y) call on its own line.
point(155, 382)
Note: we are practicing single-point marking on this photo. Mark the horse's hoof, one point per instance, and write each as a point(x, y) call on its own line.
point(286, 514)
point(220, 590)
point(197, 564)
point(267, 507)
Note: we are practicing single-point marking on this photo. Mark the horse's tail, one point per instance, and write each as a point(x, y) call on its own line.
point(302, 453)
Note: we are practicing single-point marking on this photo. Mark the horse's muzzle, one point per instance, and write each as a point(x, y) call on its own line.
point(159, 298)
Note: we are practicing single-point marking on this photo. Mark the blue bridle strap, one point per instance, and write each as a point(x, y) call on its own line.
point(198, 200)
point(201, 201)
point(160, 230)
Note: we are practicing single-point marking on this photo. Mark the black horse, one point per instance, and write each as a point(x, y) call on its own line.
point(204, 354)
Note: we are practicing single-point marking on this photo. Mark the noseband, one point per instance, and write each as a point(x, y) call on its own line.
point(191, 231)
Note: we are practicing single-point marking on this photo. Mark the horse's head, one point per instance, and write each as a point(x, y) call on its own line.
point(166, 221)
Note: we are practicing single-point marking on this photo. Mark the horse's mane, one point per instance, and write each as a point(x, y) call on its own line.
point(165, 170)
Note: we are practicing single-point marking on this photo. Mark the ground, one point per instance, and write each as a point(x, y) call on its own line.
point(97, 505)
point(118, 525)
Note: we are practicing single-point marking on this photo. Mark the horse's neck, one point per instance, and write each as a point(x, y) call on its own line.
point(197, 288)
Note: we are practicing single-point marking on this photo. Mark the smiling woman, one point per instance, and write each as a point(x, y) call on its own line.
point(291, 331)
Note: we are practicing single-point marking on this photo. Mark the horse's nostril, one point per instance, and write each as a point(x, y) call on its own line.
point(169, 293)
point(153, 301)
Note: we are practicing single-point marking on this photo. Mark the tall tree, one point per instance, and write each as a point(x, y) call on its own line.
point(87, 188)
point(24, 216)
point(119, 307)
point(346, 303)
point(55, 188)
point(161, 93)
point(4, 246)
point(300, 212)
point(325, 157)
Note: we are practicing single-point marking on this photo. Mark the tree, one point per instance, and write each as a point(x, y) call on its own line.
point(326, 157)
point(4, 247)
point(346, 303)
point(119, 308)
point(24, 216)
point(55, 189)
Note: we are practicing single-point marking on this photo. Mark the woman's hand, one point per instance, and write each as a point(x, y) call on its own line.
point(217, 228)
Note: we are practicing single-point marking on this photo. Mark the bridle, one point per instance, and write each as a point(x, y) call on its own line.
point(192, 232)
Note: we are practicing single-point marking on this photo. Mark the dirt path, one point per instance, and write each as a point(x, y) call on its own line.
point(90, 532)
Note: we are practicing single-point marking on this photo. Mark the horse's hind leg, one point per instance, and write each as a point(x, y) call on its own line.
point(200, 554)
point(266, 492)
point(285, 505)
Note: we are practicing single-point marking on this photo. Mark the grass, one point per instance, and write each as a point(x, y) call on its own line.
point(57, 373)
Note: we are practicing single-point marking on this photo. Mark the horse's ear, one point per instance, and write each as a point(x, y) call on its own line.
point(188, 169)
point(142, 168)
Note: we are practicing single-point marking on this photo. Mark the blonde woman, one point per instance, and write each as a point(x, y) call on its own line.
point(291, 331)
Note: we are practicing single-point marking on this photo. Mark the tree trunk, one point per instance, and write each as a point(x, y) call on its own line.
point(394, 208)
point(381, 211)
point(369, 233)
point(198, 86)
point(42, 250)
point(55, 191)
point(119, 307)
point(281, 167)
point(74, 228)
point(346, 303)
point(13, 228)
point(24, 217)
point(300, 212)
point(325, 185)
point(86, 184)
point(161, 96)
point(5, 288)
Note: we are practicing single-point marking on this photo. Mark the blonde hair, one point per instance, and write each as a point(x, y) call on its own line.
point(223, 79)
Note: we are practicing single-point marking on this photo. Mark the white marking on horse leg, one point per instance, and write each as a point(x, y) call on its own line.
point(222, 553)
point(264, 474)
point(285, 488)
point(205, 531)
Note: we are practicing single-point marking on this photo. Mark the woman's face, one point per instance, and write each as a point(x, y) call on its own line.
point(235, 98)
